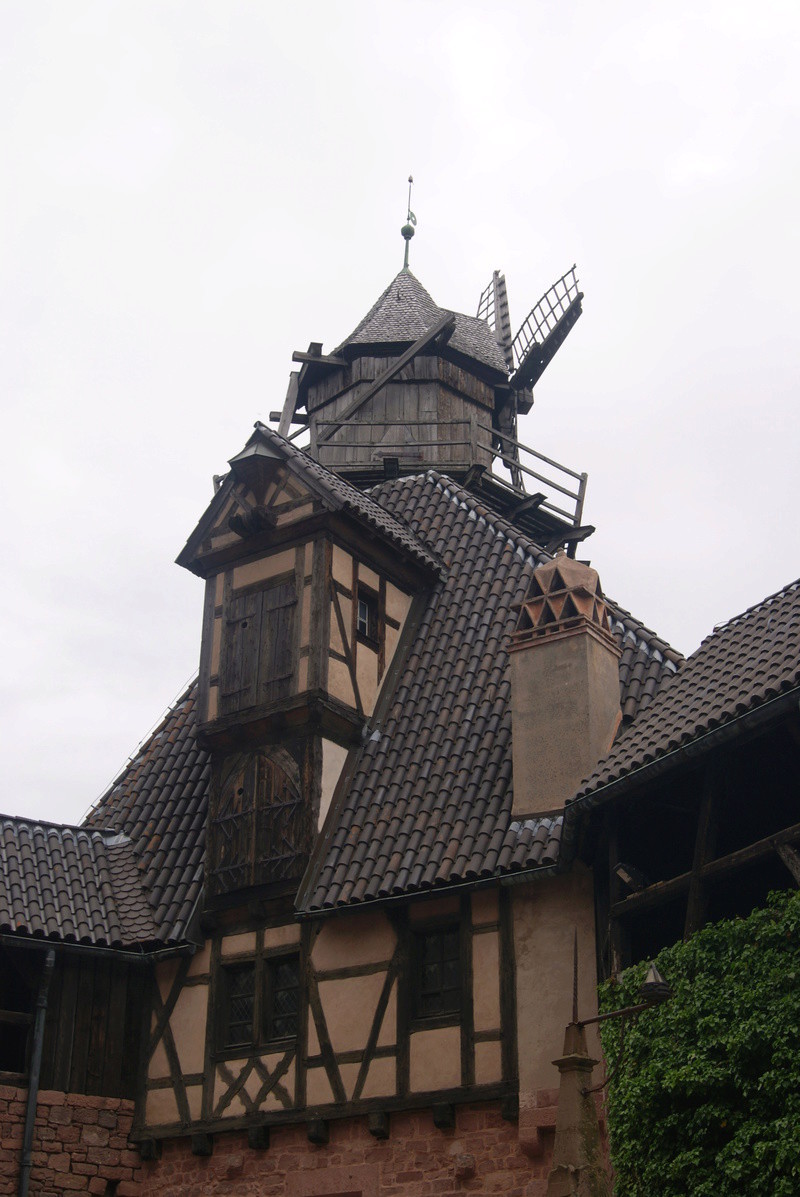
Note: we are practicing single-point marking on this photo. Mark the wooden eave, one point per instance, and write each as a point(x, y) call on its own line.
point(486, 373)
point(352, 530)
point(272, 722)
point(347, 531)
point(633, 785)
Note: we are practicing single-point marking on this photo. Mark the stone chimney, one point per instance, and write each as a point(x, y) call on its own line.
point(564, 685)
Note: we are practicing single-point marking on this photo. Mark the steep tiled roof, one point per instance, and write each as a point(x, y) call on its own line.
point(742, 665)
point(405, 310)
point(430, 799)
point(342, 496)
point(71, 885)
point(159, 801)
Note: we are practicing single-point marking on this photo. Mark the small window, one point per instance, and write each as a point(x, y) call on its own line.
point(437, 974)
point(238, 1005)
point(259, 1002)
point(282, 997)
point(367, 615)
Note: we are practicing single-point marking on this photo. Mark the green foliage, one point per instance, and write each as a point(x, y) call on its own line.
point(707, 1099)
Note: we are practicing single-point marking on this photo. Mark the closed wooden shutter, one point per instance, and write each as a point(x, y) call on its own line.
point(276, 667)
point(240, 653)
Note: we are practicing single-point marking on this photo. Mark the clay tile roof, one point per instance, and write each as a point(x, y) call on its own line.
point(341, 496)
point(430, 800)
point(72, 885)
point(740, 667)
point(160, 801)
point(403, 313)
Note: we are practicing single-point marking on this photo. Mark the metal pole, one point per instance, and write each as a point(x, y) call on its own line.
point(35, 1068)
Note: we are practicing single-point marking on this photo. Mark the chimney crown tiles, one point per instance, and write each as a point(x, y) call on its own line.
point(565, 597)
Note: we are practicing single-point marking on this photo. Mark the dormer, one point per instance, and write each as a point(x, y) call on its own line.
point(308, 585)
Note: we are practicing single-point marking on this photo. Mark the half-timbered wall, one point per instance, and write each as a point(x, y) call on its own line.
point(265, 623)
point(363, 1036)
point(357, 659)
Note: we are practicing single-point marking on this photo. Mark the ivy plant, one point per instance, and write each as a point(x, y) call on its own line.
point(706, 1101)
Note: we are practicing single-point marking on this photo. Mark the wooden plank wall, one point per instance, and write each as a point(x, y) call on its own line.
point(93, 1027)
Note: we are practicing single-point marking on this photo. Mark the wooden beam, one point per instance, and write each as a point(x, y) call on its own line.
point(531, 502)
point(317, 1131)
point(444, 1116)
point(289, 404)
point(662, 890)
point(318, 359)
point(378, 1124)
point(696, 905)
point(570, 536)
point(791, 859)
point(754, 852)
point(473, 475)
point(258, 1138)
point(443, 327)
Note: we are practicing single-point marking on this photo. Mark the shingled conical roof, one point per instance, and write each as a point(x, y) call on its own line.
point(403, 313)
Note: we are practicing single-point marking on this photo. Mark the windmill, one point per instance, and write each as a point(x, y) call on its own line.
point(529, 353)
point(417, 386)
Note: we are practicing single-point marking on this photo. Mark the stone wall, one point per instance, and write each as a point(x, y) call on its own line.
point(80, 1145)
point(481, 1154)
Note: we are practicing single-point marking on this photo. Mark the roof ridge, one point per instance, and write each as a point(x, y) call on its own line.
point(748, 611)
point(24, 821)
point(182, 696)
point(520, 540)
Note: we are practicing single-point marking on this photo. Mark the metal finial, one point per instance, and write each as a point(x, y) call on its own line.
point(575, 977)
point(408, 228)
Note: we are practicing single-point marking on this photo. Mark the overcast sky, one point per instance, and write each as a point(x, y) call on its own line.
point(190, 191)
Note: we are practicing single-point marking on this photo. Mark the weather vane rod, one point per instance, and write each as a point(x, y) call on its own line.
point(408, 228)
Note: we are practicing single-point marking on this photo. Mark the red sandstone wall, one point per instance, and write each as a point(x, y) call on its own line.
point(80, 1145)
point(481, 1155)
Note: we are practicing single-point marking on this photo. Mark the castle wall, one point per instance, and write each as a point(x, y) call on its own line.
point(480, 1154)
point(80, 1145)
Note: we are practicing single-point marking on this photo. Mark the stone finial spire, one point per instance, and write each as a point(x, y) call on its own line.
point(564, 685)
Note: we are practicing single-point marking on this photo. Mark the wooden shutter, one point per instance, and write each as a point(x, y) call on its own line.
point(276, 667)
point(240, 646)
point(257, 829)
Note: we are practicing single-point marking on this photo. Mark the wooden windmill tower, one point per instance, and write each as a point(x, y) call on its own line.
point(416, 386)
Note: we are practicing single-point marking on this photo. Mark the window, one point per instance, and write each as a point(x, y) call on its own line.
point(17, 995)
point(437, 974)
point(259, 1003)
point(367, 625)
point(282, 997)
point(239, 1004)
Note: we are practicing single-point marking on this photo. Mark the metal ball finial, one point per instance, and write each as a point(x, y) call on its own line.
point(407, 230)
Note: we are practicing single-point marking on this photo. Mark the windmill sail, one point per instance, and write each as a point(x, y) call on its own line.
point(544, 329)
point(493, 308)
